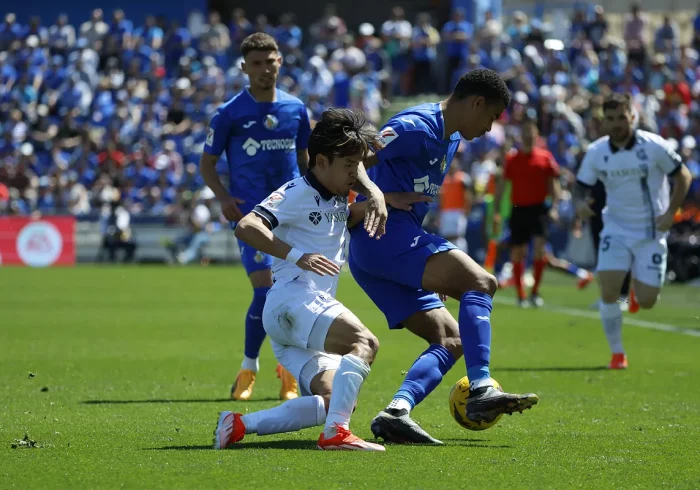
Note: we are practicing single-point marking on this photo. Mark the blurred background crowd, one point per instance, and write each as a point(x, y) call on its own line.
point(107, 105)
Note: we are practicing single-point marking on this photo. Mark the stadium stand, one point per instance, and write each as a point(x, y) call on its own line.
point(110, 104)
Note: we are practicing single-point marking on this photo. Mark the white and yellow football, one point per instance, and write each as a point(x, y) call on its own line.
point(458, 406)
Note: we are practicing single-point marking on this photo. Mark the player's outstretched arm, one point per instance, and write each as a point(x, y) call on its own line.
point(257, 232)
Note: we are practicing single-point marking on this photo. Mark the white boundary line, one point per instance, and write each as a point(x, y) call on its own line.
point(664, 327)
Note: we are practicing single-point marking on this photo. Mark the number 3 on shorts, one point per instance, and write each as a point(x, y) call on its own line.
point(605, 243)
point(415, 241)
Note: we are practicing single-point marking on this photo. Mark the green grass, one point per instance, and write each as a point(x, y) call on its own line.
point(137, 362)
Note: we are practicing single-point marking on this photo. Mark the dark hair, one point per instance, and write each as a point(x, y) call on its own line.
point(616, 100)
point(486, 83)
point(258, 42)
point(341, 133)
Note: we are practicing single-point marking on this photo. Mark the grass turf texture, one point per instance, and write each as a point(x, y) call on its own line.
point(131, 366)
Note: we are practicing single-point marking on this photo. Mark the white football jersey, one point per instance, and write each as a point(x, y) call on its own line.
point(307, 216)
point(635, 179)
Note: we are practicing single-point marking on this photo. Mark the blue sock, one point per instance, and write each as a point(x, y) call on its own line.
point(475, 332)
point(254, 331)
point(425, 374)
point(573, 269)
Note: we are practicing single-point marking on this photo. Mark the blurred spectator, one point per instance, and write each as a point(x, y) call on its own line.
point(424, 53)
point(396, 34)
point(635, 35)
point(116, 224)
point(456, 34)
point(188, 248)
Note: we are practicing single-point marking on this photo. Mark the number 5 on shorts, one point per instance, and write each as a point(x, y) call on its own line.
point(605, 243)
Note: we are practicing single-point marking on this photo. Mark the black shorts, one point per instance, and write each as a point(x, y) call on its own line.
point(527, 222)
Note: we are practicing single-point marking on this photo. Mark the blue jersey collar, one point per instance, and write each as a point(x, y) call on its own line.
point(314, 182)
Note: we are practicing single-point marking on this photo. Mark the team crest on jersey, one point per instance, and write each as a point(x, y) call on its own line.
point(315, 217)
point(259, 257)
point(210, 137)
point(386, 136)
point(271, 122)
point(443, 164)
point(274, 200)
point(642, 155)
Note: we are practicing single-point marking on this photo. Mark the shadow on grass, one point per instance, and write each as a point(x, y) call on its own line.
point(553, 369)
point(158, 400)
point(310, 445)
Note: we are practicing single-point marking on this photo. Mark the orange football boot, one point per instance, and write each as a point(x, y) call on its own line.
point(288, 390)
point(229, 429)
point(242, 389)
point(344, 440)
point(618, 361)
point(634, 306)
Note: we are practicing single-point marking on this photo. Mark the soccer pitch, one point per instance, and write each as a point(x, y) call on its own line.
point(130, 366)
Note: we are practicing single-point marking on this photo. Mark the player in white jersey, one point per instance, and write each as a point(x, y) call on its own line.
point(317, 339)
point(634, 166)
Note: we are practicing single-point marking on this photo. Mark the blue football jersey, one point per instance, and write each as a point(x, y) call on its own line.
point(415, 157)
point(261, 140)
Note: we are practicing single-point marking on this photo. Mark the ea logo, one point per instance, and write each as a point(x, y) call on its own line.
point(270, 122)
point(39, 244)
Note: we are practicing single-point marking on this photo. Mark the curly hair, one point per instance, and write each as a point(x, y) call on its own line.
point(486, 83)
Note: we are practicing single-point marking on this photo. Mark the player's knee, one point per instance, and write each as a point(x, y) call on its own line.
point(453, 343)
point(647, 301)
point(366, 346)
point(486, 283)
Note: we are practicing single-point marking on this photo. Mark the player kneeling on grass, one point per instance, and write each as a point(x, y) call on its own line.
point(317, 339)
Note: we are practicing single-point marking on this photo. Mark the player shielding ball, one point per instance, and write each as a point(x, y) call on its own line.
point(635, 167)
point(404, 270)
point(264, 132)
point(322, 343)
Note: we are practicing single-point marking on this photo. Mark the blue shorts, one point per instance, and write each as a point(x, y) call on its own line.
point(254, 260)
point(390, 270)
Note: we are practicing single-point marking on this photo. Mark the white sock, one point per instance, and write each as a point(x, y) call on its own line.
point(250, 364)
point(291, 416)
point(399, 403)
point(611, 318)
point(346, 387)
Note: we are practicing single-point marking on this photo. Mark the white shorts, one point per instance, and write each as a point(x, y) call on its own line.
point(297, 318)
point(645, 258)
point(453, 223)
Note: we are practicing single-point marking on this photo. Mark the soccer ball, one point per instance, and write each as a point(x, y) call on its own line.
point(458, 406)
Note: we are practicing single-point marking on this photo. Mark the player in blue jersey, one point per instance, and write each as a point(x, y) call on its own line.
point(264, 132)
point(405, 271)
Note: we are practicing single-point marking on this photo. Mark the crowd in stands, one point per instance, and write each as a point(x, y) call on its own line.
point(87, 108)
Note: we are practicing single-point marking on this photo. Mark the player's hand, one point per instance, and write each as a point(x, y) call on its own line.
point(664, 222)
point(376, 215)
point(230, 210)
point(319, 264)
point(554, 215)
point(404, 200)
point(443, 297)
point(583, 209)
